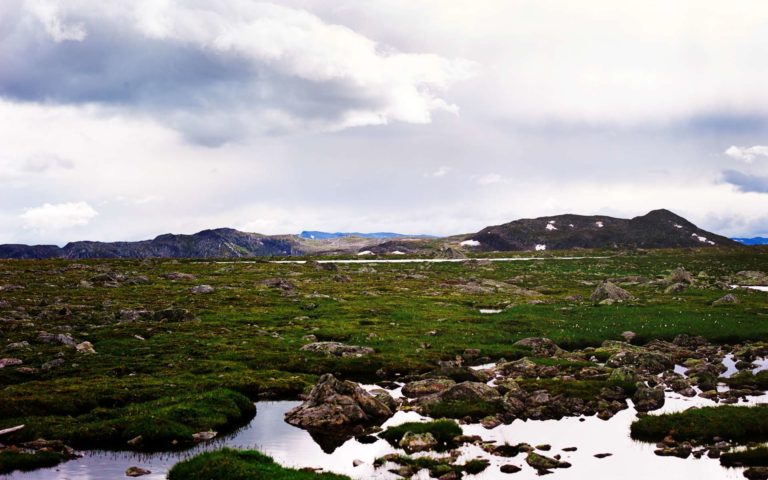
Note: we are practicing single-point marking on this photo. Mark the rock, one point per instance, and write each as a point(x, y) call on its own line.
point(135, 441)
point(357, 463)
point(509, 468)
point(540, 347)
point(623, 374)
point(62, 338)
point(430, 386)
point(85, 347)
point(179, 276)
point(680, 275)
point(337, 404)
point(491, 421)
point(676, 288)
point(647, 399)
point(280, 283)
point(10, 362)
point(690, 341)
point(729, 299)
point(418, 442)
point(204, 436)
point(756, 473)
point(480, 399)
point(173, 314)
point(384, 397)
point(18, 346)
point(541, 462)
point(602, 455)
point(338, 349)
point(628, 336)
point(58, 362)
point(136, 472)
point(609, 291)
point(642, 360)
point(202, 289)
point(750, 277)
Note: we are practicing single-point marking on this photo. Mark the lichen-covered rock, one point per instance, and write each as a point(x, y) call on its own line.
point(429, 386)
point(729, 299)
point(338, 349)
point(642, 360)
point(647, 399)
point(418, 442)
point(337, 404)
point(609, 291)
point(680, 275)
point(542, 462)
point(540, 347)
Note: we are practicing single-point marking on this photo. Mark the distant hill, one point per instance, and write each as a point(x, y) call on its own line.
point(657, 229)
point(218, 243)
point(314, 235)
point(752, 241)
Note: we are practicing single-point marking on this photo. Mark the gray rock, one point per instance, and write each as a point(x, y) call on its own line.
point(418, 442)
point(136, 472)
point(609, 291)
point(337, 404)
point(729, 299)
point(10, 362)
point(338, 349)
point(429, 386)
point(85, 347)
point(202, 289)
point(647, 399)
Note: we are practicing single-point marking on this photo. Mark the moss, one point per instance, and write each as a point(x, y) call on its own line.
point(437, 466)
point(228, 464)
point(583, 389)
point(12, 461)
point(740, 424)
point(747, 379)
point(444, 432)
point(461, 409)
point(753, 457)
point(162, 423)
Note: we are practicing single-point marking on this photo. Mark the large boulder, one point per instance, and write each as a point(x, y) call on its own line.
point(338, 405)
point(608, 291)
point(338, 349)
point(750, 277)
point(680, 275)
point(641, 360)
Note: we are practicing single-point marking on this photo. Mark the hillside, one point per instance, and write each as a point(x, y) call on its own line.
point(657, 229)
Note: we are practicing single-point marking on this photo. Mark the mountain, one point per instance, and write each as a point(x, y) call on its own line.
point(752, 241)
point(218, 243)
point(656, 229)
point(315, 235)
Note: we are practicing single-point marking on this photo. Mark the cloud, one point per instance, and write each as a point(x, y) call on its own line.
point(217, 71)
point(746, 182)
point(489, 179)
point(40, 163)
point(441, 171)
point(48, 217)
point(747, 154)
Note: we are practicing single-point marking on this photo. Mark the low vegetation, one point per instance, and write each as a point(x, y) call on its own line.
point(738, 424)
point(228, 464)
point(444, 431)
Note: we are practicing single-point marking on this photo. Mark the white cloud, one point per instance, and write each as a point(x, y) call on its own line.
point(441, 171)
point(489, 179)
point(51, 217)
point(747, 154)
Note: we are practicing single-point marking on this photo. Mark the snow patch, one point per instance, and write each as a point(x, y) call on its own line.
point(365, 252)
point(699, 238)
point(599, 224)
point(551, 227)
point(678, 226)
point(571, 225)
point(540, 247)
point(470, 243)
point(398, 252)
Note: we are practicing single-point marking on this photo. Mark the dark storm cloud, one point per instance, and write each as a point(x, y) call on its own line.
point(211, 75)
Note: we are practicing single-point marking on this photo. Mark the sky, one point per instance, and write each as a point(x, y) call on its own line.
point(127, 119)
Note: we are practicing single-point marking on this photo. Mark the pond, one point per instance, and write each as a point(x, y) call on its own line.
point(294, 447)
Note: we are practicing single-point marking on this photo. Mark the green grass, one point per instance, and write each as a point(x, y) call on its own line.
point(228, 464)
point(752, 457)
point(12, 461)
point(443, 430)
point(162, 424)
point(739, 424)
point(246, 337)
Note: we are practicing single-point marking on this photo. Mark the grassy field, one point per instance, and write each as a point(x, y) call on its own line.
point(242, 341)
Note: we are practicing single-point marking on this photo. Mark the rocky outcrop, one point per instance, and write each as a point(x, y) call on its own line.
point(338, 405)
